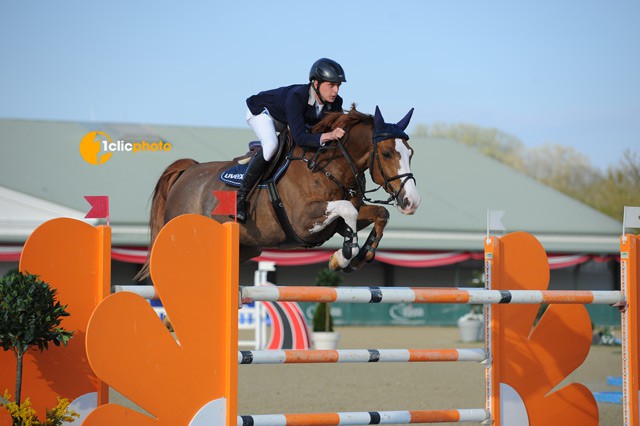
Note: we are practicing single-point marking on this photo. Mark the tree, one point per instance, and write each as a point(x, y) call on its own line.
point(560, 167)
point(620, 187)
point(30, 316)
point(564, 169)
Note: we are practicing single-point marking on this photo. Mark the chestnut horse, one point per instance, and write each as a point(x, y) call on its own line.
point(322, 191)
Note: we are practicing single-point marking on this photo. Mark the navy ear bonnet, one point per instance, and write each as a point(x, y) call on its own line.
point(382, 130)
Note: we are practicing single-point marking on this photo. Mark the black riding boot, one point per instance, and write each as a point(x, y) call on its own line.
point(257, 167)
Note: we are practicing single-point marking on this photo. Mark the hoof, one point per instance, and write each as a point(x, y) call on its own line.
point(334, 265)
point(349, 269)
point(355, 265)
point(370, 256)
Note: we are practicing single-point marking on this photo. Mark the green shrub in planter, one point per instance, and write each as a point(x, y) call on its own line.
point(322, 320)
point(30, 317)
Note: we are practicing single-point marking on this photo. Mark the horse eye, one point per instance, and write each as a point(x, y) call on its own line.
point(387, 154)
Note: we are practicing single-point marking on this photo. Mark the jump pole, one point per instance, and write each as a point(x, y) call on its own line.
point(526, 267)
point(425, 295)
point(359, 356)
point(500, 273)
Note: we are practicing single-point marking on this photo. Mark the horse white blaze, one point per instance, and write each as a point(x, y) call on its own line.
point(411, 194)
point(345, 210)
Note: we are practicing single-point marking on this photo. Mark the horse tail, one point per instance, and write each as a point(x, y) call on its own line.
point(158, 203)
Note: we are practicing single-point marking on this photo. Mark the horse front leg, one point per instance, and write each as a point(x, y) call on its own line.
point(345, 210)
point(367, 215)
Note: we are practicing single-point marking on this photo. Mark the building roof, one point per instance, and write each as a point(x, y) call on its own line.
point(42, 172)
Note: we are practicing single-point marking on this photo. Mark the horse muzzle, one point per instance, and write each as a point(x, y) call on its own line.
point(408, 200)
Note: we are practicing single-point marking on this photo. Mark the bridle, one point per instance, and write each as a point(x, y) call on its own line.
point(374, 158)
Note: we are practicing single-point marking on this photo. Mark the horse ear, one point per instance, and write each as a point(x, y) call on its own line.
point(405, 121)
point(378, 121)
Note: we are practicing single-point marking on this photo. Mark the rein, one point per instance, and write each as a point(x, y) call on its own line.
point(313, 163)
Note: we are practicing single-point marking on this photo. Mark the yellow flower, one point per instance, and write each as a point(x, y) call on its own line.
point(25, 415)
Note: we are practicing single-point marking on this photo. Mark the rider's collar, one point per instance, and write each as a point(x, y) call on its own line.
point(314, 100)
point(312, 96)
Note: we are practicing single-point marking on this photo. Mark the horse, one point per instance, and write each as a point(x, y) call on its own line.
point(321, 193)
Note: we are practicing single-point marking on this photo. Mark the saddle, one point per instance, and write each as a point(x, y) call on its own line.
point(233, 176)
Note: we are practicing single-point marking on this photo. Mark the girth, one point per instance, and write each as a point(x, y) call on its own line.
point(292, 239)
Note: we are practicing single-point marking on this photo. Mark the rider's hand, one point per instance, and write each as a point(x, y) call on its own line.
point(337, 133)
point(333, 135)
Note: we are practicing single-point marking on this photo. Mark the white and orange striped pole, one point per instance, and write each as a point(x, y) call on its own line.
point(366, 418)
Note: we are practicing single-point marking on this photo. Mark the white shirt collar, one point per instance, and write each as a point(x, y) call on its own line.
point(313, 100)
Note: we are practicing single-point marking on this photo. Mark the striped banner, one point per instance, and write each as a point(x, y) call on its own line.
point(366, 418)
point(427, 295)
point(360, 355)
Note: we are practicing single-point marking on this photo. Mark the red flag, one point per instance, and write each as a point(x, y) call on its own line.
point(226, 203)
point(99, 207)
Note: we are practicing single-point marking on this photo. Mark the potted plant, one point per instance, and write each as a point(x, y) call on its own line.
point(30, 318)
point(323, 336)
point(471, 324)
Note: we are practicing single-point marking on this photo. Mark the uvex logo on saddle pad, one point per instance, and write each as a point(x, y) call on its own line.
point(233, 176)
point(97, 147)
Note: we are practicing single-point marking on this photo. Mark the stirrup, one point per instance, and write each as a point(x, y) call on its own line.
point(241, 211)
point(241, 216)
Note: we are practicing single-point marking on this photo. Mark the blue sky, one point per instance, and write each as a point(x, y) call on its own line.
point(565, 72)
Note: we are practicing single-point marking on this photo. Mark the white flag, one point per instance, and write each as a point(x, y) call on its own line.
point(631, 218)
point(494, 220)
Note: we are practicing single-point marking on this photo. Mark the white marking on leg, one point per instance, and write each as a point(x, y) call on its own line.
point(336, 209)
point(345, 210)
point(342, 262)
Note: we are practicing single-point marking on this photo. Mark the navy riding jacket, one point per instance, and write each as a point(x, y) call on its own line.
point(290, 105)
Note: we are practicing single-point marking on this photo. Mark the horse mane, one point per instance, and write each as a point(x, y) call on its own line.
point(333, 120)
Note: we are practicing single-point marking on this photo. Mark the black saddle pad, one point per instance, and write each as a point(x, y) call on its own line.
point(234, 175)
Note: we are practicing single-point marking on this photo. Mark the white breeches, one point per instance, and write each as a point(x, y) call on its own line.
point(264, 127)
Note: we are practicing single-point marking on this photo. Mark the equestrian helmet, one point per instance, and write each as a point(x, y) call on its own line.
point(325, 69)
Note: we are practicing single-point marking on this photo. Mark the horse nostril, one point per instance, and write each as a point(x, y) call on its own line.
point(403, 203)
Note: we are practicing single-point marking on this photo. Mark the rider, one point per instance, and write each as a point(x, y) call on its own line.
point(299, 106)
